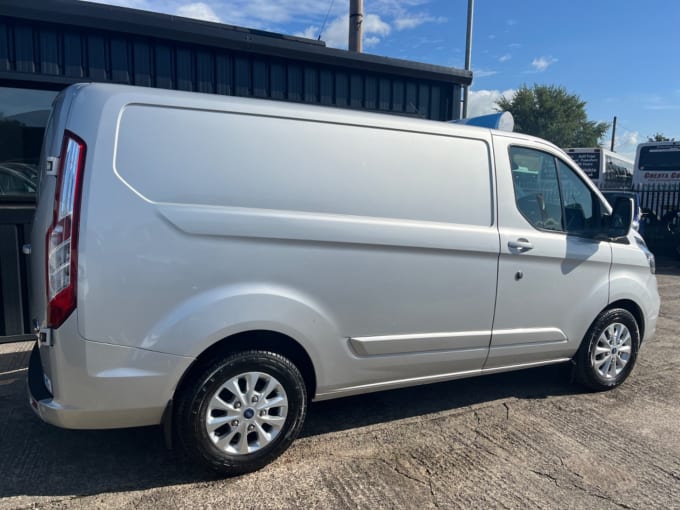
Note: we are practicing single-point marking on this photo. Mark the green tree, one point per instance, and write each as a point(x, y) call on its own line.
point(659, 137)
point(550, 112)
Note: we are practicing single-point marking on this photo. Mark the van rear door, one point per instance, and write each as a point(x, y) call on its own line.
point(52, 144)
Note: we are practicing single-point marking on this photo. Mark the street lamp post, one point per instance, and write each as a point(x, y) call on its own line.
point(468, 55)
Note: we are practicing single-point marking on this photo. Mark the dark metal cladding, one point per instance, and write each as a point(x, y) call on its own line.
point(15, 226)
point(51, 43)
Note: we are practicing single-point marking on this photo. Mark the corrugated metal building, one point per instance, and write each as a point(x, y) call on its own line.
point(46, 45)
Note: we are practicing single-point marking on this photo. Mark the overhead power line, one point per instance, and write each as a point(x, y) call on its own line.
point(325, 20)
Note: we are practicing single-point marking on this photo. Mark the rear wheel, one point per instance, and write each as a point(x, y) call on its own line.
point(241, 412)
point(609, 350)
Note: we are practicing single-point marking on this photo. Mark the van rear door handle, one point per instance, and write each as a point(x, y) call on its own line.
point(520, 244)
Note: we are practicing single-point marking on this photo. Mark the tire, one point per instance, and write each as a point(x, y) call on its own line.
point(609, 350)
point(241, 412)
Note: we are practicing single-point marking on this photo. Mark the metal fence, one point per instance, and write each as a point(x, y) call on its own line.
point(660, 221)
point(658, 198)
point(654, 198)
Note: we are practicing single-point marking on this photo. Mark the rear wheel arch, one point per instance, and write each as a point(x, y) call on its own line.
point(262, 354)
point(267, 340)
point(240, 412)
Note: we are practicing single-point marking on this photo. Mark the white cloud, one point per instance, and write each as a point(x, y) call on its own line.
point(504, 58)
point(288, 16)
point(395, 8)
point(628, 138)
point(663, 107)
point(625, 144)
point(132, 4)
point(540, 64)
point(374, 25)
point(404, 23)
point(262, 14)
point(483, 102)
point(369, 42)
point(276, 12)
point(198, 10)
point(658, 102)
point(482, 73)
point(430, 42)
point(267, 13)
point(336, 35)
point(413, 21)
point(309, 32)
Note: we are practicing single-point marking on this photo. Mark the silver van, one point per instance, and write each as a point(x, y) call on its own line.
point(212, 264)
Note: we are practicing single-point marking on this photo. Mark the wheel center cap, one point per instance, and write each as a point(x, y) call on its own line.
point(614, 350)
point(249, 413)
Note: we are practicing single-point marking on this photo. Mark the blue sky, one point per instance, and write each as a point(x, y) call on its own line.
point(620, 56)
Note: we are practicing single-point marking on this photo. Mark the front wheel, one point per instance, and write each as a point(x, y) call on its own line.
point(243, 411)
point(609, 350)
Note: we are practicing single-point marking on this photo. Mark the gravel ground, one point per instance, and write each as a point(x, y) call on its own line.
point(526, 439)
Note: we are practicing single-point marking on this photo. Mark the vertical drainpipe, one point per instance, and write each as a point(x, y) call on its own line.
point(356, 19)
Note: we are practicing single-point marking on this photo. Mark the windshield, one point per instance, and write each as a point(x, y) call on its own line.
point(660, 158)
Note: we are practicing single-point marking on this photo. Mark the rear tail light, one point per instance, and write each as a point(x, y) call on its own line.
point(62, 236)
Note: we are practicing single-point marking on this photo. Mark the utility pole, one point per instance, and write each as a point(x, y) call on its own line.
point(356, 19)
point(468, 54)
point(613, 133)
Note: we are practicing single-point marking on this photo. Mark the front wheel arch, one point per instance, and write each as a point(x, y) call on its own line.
point(602, 343)
point(634, 309)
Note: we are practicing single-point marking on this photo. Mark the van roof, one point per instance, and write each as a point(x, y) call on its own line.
point(101, 92)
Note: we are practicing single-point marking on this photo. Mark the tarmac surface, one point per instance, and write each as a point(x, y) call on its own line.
point(528, 439)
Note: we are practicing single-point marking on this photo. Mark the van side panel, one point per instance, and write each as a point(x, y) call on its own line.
point(252, 161)
point(200, 223)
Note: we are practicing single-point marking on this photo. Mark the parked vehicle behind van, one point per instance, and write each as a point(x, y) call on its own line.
point(657, 163)
point(212, 264)
point(607, 169)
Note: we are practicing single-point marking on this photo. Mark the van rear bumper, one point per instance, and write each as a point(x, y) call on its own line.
point(100, 386)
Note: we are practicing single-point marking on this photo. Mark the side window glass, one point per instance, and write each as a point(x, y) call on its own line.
point(579, 204)
point(537, 191)
point(23, 116)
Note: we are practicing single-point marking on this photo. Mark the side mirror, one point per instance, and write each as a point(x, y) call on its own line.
point(621, 218)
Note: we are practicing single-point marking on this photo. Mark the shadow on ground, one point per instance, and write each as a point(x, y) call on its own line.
point(37, 459)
